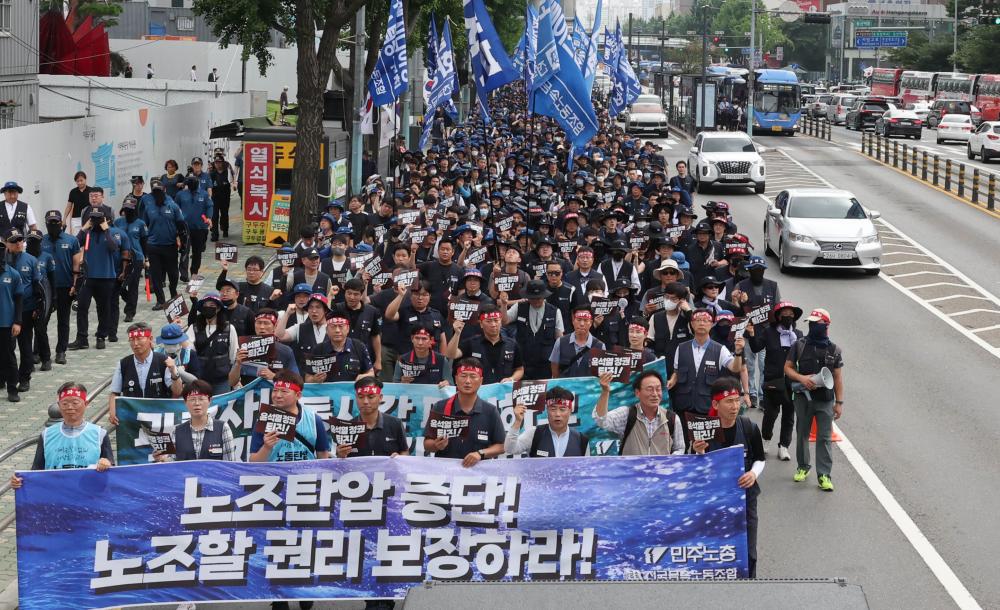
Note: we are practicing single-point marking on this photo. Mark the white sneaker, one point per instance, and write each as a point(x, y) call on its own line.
point(783, 454)
point(186, 606)
point(767, 446)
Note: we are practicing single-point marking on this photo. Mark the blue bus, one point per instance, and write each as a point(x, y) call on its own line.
point(776, 102)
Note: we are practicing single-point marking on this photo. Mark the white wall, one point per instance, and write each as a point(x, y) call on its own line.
point(172, 59)
point(112, 148)
point(64, 96)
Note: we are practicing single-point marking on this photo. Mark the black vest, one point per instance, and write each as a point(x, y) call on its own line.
point(811, 361)
point(744, 428)
point(433, 372)
point(542, 445)
point(363, 322)
point(185, 445)
point(536, 347)
point(570, 364)
point(20, 219)
point(213, 352)
point(665, 343)
point(306, 346)
point(693, 390)
point(155, 378)
point(322, 285)
point(607, 270)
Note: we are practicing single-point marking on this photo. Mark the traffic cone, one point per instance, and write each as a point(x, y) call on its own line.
point(834, 437)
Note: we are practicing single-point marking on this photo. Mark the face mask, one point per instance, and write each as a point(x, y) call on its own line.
point(338, 251)
point(171, 350)
point(483, 212)
point(432, 172)
point(34, 248)
point(159, 197)
point(209, 311)
point(129, 215)
point(817, 330)
point(227, 302)
point(786, 321)
point(720, 333)
point(618, 256)
point(578, 181)
point(757, 276)
point(669, 305)
point(505, 192)
point(54, 230)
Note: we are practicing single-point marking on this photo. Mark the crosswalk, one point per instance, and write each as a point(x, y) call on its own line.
point(783, 173)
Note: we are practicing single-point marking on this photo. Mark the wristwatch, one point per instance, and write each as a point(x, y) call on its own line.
point(482, 454)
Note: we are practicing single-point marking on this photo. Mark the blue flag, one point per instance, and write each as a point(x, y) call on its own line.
point(590, 60)
point(626, 89)
point(579, 44)
point(432, 58)
point(610, 53)
point(491, 67)
point(390, 79)
point(444, 84)
point(560, 91)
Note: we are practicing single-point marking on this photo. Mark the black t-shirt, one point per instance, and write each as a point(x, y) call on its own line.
point(384, 439)
point(79, 199)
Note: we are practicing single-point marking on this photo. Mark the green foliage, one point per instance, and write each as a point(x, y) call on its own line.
point(923, 54)
point(979, 48)
point(249, 23)
point(806, 44)
point(103, 11)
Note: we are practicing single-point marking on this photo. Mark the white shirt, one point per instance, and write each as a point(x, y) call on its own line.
point(535, 317)
point(725, 357)
point(515, 444)
point(194, 75)
point(319, 332)
point(10, 212)
point(234, 338)
point(616, 420)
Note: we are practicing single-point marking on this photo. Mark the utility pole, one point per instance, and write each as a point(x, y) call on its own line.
point(663, 76)
point(704, 60)
point(753, 66)
point(954, 41)
point(630, 37)
point(357, 139)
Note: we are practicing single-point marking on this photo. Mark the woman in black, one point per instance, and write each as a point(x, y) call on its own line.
point(79, 198)
point(222, 192)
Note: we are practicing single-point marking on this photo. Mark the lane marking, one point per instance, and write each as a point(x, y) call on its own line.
point(937, 565)
point(957, 285)
point(921, 273)
point(986, 328)
point(956, 296)
point(966, 312)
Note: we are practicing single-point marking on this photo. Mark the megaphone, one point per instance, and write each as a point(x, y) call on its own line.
point(822, 379)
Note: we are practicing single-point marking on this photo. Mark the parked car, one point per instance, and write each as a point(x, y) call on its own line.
point(836, 110)
point(954, 127)
point(896, 122)
point(985, 141)
point(725, 157)
point(939, 108)
point(647, 116)
point(822, 228)
point(864, 112)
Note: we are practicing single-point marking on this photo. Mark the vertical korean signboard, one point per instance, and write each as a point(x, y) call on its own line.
point(258, 188)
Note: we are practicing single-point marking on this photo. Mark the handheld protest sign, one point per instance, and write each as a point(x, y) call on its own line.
point(176, 309)
point(477, 256)
point(759, 316)
point(634, 354)
point(703, 428)
point(408, 217)
point(506, 282)
point(411, 369)
point(407, 279)
point(738, 329)
point(197, 281)
point(226, 252)
point(568, 246)
point(358, 260)
point(259, 349)
point(348, 432)
point(440, 425)
point(619, 365)
point(286, 258)
point(159, 442)
point(317, 365)
point(531, 394)
point(463, 310)
point(603, 307)
point(379, 280)
point(273, 419)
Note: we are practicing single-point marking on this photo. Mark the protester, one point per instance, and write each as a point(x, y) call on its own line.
point(570, 357)
point(202, 437)
point(68, 256)
point(661, 432)
point(107, 257)
point(775, 340)
point(144, 373)
point(385, 433)
point(554, 438)
point(486, 434)
point(807, 357)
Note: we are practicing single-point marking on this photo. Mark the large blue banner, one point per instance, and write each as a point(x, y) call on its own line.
point(409, 402)
point(371, 527)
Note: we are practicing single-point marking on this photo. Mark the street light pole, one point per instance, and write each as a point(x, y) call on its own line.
point(704, 60)
point(954, 41)
point(753, 66)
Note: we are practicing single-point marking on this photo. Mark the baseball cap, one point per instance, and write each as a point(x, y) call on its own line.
point(156, 183)
point(53, 216)
point(302, 289)
point(196, 160)
point(12, 234)
point(138, 180)
point(310, 253)
point(819, 315)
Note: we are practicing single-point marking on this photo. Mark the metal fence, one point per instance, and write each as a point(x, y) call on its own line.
point(818, 128)
point(971, 183)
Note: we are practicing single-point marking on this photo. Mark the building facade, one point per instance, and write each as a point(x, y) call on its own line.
point(18, 63)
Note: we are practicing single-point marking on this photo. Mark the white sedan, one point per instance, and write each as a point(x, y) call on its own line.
point(817, 228)
point(954, 127)
point(985, 141)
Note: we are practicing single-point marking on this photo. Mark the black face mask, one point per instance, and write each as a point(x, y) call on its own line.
point(34, 248)
point(227, 302)
point(129, 215)
point(786, 321)
point(209, 312)
point(159, 197)
point(54, 229)
point(720, 333)
point(618, 256)
point(757, 276)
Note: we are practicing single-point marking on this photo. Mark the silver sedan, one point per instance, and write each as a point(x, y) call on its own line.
point(822, 229)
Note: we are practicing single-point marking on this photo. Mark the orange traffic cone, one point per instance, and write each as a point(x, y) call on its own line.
point(834, 437)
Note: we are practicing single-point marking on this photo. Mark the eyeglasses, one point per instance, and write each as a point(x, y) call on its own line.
point(553, 273)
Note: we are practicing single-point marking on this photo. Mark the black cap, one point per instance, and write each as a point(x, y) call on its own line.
point(130, 202)
point(138, 180)
point(310, 253)
point(618, 245)
point(155, 183)
point(53, 216)
point(703, 227)
point(13, 234)
point(228, 282)
point(196, 160)
point(95, 213)
point(536, 289)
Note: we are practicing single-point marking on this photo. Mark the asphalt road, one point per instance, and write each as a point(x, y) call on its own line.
point(918, 406)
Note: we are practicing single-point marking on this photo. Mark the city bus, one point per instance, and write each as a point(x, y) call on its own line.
point(886, 82)
point(954, 86)
point(776, 102)
point(987, 94)
point(916, 86)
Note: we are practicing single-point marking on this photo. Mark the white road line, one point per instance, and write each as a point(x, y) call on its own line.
point(966, 312)
point(920, 273)
point(903, 253)
point(931, 262)
point(935, 284)
point(986, 328)
point(937, 565)
point(956, 296)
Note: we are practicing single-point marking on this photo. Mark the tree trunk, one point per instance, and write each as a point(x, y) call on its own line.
point(309, 129)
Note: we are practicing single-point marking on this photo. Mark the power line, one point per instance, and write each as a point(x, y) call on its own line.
point(79, 100)
point(62, 61)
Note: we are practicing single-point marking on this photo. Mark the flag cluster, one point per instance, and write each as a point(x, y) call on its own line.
point(626, 86)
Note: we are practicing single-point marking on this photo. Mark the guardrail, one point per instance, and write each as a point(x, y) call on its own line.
point(31, 441)
point(971, 183)
point(817, 128)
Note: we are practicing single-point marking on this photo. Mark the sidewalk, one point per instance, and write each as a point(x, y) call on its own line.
point(91, 366)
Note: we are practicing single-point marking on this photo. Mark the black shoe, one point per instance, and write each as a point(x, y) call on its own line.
point(128, 318)
point(306, 605)
point(100, 344)
point(753, 402)
point(159, 307)
point(12, 396)
point(215, 237)
point(36, 358)
point(24, 386)
point(184, 280)
point(47, 365)
point(79, 344)
point(225, 234)
point(60, 358)
point(113, 338)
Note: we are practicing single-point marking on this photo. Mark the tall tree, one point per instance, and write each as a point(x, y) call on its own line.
point(978, 50)
point(923, 54)
point(249, 22)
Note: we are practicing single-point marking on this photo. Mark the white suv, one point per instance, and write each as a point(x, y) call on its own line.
point(725, 157)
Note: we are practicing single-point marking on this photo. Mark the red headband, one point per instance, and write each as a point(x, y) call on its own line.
point(369, 390)
point(701, 314)
point(268, 316)
point(287, 385)
point(140, 332)
point(422, 333)
point(490, 315)
point(583, 315)
point(339, 321)
point(469, 369)
point(724, 394)
point(199, 393)
point(637, 327)
point(559, 402)
point(73, 393)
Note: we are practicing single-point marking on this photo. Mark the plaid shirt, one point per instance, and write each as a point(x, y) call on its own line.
point(198, 437)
